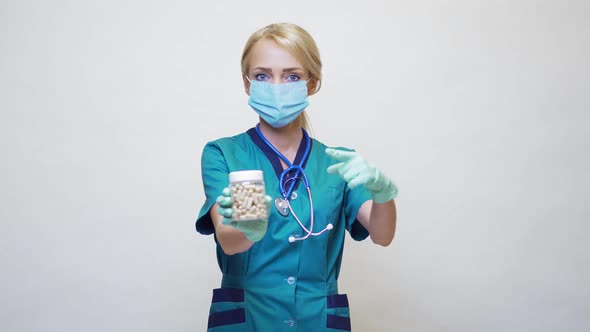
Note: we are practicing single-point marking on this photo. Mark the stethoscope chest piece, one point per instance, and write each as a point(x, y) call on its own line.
point(282, 206)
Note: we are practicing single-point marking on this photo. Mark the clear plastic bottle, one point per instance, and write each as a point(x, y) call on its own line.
point(248, 193)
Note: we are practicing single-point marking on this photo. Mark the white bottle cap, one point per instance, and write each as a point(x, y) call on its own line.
point(250, 175)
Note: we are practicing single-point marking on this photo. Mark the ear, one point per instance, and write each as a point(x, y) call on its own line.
point(246, 85)
point(311, 86)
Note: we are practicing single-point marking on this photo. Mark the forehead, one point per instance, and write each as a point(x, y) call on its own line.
point(267, 53)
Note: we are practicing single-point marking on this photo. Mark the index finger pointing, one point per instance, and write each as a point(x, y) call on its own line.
point(340, 154)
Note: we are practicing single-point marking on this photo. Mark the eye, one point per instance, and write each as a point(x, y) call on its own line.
point(293, 78)
point(261, 77)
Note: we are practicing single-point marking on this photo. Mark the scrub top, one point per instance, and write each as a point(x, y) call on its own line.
point(277, 285)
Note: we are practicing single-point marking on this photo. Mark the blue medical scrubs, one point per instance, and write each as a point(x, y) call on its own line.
point(277, 285)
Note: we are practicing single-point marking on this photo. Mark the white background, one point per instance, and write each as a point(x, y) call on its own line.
point(477, 109)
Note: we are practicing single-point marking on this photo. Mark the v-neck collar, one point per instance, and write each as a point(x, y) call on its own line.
point(275, 160)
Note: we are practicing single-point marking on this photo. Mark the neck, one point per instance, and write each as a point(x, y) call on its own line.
point(285, 139)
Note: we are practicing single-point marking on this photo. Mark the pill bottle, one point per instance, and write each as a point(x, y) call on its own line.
point(248, 195)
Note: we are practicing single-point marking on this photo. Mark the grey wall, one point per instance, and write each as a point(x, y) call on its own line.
point(478, 110)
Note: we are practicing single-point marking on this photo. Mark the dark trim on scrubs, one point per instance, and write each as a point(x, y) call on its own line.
point(338, 322)
point(275, 160)
point(337, 301)
point(230, 317)
point(228, 295)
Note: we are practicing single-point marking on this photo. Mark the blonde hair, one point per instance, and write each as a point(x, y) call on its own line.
point(299, 43)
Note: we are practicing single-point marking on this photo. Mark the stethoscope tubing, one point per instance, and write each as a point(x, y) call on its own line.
point(299, 168)
point(287, 193)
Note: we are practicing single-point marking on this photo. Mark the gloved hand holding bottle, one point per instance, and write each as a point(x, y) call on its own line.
point(254, 230)
point(355, 170)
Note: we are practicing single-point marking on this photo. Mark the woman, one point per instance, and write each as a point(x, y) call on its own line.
point(280, 273)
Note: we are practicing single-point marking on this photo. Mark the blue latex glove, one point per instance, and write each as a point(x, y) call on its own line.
point(253, 229)
point(355, 170)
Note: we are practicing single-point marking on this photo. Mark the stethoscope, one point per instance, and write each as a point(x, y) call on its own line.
point(282, 204)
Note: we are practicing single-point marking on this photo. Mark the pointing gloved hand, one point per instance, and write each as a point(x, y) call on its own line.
point(253, 229)
point(355, 170)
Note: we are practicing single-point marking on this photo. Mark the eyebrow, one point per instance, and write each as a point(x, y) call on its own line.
point(284, 70)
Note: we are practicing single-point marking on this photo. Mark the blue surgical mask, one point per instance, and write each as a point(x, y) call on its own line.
point(278, 104)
